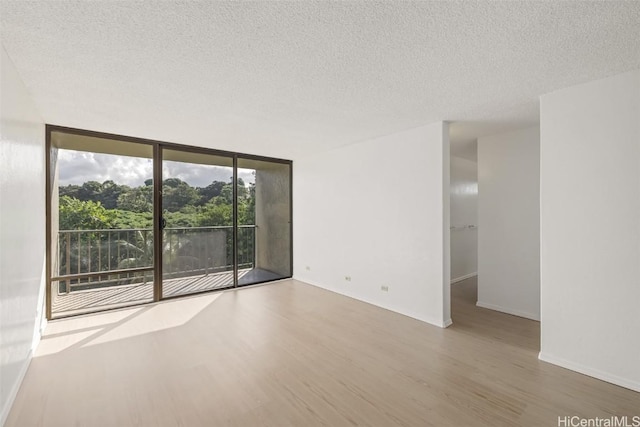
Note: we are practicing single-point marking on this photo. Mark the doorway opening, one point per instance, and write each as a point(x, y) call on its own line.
point(495, 236)
point(463, 229)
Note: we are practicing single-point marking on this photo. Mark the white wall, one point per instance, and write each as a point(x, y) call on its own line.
point(22, 231)
point(374, 211)
point(590, 218)
point(509, 222)
point(464, 213)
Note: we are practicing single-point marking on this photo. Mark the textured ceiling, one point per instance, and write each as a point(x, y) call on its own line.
point(284, 78)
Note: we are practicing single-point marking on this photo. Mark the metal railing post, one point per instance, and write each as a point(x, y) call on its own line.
point(255, 240)
point(136, 245)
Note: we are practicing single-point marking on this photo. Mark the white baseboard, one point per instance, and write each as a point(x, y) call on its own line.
point(465, 277)
point(14, 390)
point(434, 322)
point(530, 316)
point(591, 372)
point(448, 323)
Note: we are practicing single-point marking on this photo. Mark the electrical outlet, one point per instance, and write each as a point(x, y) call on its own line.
point(347, 278)
point(384, 288)
point(308, 268)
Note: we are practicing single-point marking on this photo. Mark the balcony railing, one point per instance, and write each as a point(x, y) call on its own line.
point(89, 259)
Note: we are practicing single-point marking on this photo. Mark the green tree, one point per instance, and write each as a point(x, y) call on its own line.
point(140, 248)
point(139, 199)
point(247, 206)
point(110, 193)
point(177, 194)
point(226, 194)
point(128, 219)
point(181, 219)
point(242, 189)
point(70, 190)
point(210, 191)
point(216, 213)
point(90, 190)
point(77, 214)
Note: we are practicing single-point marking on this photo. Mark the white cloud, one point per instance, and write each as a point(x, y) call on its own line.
point(78, 167)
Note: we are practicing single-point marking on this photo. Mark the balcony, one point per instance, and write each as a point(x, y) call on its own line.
point(102, 269)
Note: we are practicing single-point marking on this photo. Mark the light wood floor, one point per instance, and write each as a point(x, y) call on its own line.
point(289, 354)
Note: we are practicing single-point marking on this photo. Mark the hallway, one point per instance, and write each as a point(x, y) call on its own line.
point(504, 328)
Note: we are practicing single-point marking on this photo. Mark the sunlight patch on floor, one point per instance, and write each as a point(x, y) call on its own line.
point(85, 331)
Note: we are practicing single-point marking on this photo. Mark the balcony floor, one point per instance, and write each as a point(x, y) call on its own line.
point(86, 301)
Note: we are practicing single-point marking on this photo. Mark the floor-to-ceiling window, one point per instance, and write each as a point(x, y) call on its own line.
point(264, 219)
point(132, 221)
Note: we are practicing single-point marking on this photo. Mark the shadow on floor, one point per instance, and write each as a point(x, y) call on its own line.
point(258, 275)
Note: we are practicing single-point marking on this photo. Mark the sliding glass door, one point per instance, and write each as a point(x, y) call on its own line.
point(132, 221)
point(197, 221)
point(100, 224)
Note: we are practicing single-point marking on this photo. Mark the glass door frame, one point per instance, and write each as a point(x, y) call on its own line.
point(159, 223)
point(158, 147)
